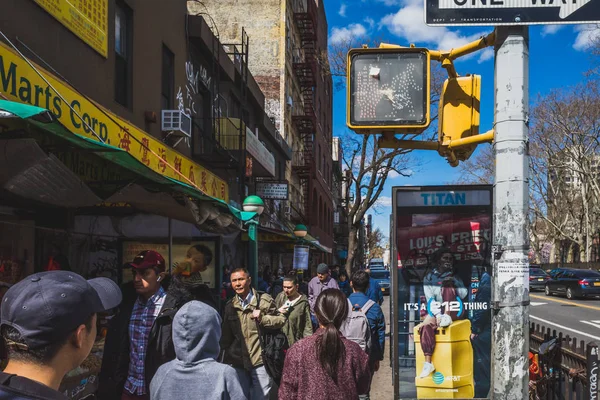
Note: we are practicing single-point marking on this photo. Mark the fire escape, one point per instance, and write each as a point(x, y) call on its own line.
point(305, 68)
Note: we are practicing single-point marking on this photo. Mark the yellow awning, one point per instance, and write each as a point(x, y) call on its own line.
point(21, 83)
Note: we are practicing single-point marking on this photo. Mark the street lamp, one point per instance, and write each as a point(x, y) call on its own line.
point(253, 204)
point(300, 231)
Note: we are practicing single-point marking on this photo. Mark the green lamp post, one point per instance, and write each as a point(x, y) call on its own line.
point(253, 204)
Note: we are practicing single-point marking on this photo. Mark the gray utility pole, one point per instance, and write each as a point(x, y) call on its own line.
point(510, 296)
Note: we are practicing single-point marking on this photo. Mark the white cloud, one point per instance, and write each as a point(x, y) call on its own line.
point(342, 11)
point(388, 3)
point(586, 35)
point(370, 22)
point(345, 34)
point(409, 24)
point(485, 55)
point(384, 201)
point(550, 30)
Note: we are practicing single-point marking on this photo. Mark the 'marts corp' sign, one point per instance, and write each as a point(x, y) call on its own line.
point(20, 83)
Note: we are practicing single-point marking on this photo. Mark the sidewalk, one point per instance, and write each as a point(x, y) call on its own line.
point(382, 387)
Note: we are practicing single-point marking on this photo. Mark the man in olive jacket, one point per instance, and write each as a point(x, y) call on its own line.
point(239, 340)
point(295, 307)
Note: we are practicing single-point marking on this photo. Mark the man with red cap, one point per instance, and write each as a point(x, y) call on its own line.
point(139, 338)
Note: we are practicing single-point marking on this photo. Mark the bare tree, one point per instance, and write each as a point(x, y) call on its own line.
point(368, 169)
point(564, 183)
point(374, 243)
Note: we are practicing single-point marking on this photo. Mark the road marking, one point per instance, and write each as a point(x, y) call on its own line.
point(564, 302)
point(596, 321)
point(564, 327)
point(535, 303)
point(592, 324)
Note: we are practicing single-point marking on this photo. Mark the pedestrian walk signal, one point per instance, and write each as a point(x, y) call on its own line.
point(388, 90)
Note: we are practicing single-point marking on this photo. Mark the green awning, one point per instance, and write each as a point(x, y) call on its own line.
point(44, 120)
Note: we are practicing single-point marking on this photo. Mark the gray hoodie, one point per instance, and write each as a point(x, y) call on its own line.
point(195, 374)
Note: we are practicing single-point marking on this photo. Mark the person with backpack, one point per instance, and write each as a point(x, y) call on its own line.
point(326, 365)
point(373, 291)
point(374, 315)
point(250, 318)
point(296, 309)
point(48, 328)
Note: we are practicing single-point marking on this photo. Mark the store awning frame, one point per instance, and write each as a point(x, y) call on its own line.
point(43, 120)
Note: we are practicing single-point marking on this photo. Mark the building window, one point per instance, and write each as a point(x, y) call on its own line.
point(123, 51)
point(167, 92)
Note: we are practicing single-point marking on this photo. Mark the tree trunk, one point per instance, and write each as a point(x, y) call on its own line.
point(352, 247)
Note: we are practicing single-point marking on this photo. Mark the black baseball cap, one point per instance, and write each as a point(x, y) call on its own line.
point(47, 306)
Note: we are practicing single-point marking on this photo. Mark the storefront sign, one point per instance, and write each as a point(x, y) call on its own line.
point(444, 198)
point(272, 190)
point(88, 19)
point(20, 83)
point(259, 152)
point(92, 169)
point(180, 252)
point(301, 254)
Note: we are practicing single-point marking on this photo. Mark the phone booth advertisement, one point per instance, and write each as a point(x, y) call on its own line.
point(441, 287)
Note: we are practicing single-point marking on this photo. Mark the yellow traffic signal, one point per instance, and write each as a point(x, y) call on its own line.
point(459, 117)
point(388, 90)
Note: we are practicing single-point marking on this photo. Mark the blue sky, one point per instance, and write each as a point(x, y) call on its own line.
point(557, 58)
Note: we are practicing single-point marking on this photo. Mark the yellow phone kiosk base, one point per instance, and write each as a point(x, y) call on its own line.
point(453, 361)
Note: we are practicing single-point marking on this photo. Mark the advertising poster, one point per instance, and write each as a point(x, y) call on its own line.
point(444, 296)
point(196, 254)
point(301, 255)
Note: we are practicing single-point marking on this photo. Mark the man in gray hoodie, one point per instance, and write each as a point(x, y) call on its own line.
point(195, 374)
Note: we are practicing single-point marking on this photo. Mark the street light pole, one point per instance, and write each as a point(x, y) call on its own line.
point(253, 249)
point(253, 204)
point(510, 296)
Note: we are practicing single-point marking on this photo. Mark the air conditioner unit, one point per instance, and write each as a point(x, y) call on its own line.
point(176, 122)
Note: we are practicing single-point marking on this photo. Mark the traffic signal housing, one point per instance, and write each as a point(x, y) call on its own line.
point(459, 117)
point(388, 90)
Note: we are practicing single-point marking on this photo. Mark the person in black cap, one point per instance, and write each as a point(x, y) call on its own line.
point(139, 338)
point(48, 327)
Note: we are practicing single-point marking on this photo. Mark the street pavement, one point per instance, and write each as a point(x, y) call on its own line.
point(576, 318)
point(382, 387)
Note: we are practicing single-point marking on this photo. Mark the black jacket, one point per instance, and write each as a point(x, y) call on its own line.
point(115, 362)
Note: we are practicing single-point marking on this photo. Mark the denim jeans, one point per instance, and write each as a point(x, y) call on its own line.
point(256, 383)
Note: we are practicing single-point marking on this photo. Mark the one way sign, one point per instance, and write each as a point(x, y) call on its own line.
point(511, 12)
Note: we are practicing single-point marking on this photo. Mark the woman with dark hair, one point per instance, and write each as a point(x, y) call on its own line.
point(326, 366)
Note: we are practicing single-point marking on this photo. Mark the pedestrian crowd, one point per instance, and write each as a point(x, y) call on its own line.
point(281, 338)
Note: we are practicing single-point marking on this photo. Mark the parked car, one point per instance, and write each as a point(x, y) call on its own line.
point(382, 277)
point(537, 279)
point(574, 283)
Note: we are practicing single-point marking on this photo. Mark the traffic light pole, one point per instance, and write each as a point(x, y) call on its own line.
point(510, 296)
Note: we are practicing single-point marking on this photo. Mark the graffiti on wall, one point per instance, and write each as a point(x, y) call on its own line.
point(186, 97)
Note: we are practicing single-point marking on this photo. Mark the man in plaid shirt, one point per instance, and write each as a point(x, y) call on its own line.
point(139, 339)
point(143, 316)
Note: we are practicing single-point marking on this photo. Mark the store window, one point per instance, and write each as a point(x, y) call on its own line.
point(123, 63)
point(167, 92)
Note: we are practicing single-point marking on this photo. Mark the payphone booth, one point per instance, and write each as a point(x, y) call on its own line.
point(441, 291)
